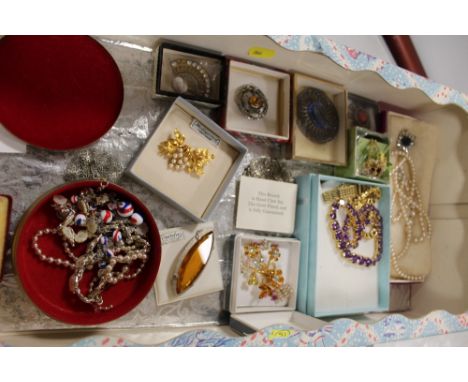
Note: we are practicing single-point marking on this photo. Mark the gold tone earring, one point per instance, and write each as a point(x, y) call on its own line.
point(181, 157)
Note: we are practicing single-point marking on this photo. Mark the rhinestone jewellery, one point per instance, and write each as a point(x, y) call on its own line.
point(407, 208)
point(190, 77)
point(251, 102)
point(362, 221)
point(115, 237)
point(263, 271)
point(317, 115)
point(181, 157)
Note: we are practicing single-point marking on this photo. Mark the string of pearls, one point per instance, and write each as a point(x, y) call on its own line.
point(407, 208)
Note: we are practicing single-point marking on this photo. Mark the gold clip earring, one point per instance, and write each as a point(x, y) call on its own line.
point(181, 157)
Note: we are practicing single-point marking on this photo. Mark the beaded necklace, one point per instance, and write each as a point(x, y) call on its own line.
point(407, 208)
point(115, 236)
point(362, 221)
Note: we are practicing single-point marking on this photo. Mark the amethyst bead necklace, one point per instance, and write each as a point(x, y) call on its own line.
point(362, 221)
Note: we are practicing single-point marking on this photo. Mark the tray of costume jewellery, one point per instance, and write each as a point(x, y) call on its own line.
point(251, 274)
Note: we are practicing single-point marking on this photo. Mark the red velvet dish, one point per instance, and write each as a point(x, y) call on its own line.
point(58, 92)
point(47, 284)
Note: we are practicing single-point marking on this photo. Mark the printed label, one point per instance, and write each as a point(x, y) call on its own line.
point(208, 134)
point(280, 334)
point(266, 205)
point(260, 52)
point(171, 237)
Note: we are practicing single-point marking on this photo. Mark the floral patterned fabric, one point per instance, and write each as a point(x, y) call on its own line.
point(341, 332)
point(355, 60)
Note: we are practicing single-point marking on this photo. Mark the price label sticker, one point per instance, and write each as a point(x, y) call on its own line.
point(280, 334)
point(260, 52)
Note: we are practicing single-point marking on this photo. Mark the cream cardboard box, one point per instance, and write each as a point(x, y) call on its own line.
point(266, 205)
point(195, 195)
point(275, 85)
point(244, 298)
point(333, 152)
point(417, 260)
point(174, 243)
point(248, 312)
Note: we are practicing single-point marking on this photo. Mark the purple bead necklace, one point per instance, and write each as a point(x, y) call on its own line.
point(364, 222)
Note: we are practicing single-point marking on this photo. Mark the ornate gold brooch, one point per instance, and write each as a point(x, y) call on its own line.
point(264, 272)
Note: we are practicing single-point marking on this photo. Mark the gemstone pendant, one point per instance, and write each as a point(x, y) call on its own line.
point(193, 261)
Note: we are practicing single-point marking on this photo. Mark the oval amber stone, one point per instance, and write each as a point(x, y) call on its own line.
point(194, 262)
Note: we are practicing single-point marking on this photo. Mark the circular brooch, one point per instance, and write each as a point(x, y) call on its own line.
point(251, 102)
point(317, 115)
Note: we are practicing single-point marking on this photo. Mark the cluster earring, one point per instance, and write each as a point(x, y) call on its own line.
point(181, 157)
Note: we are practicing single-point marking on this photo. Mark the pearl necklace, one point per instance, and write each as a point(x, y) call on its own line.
point(407, 206)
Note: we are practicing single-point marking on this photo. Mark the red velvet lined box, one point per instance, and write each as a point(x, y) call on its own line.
point(58, 92)
point(47, 285)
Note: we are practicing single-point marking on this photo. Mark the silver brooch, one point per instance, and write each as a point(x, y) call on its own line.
point(251, 102)
point(317, 115)
point(268, 168)
point(93, 164)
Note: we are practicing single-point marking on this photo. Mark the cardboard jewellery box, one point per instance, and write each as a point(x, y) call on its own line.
point(192, 72)
point(177, 243)
point(250, 310)
point(196, 195)
point(258, 101)
point(326, 108)
point(331, 284)
point(368, 156)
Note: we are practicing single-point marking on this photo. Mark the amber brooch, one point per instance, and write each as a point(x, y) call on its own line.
point(251, 102)
point(193, 260)
point(181, 157)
